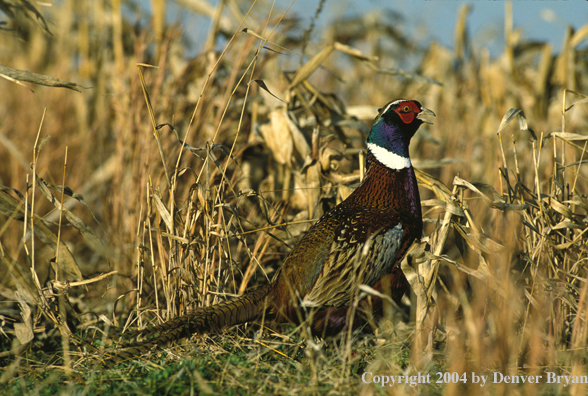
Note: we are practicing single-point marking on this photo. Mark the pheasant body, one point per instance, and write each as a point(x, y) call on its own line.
point(360, 241)
point(355, 243)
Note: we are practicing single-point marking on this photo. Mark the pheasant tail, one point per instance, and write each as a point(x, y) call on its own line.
point(209, 319)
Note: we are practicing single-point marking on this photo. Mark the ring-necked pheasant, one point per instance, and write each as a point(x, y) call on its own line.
point(360, 241)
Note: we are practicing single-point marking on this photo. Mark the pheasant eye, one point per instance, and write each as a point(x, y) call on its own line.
point(406, 109)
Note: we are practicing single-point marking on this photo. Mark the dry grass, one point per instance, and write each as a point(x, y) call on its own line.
point(189, 183)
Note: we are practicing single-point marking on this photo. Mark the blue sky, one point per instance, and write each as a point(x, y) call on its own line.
point(434, 19)
point(486, 20)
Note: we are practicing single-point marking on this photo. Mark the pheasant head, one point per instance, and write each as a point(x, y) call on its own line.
point(395, 125)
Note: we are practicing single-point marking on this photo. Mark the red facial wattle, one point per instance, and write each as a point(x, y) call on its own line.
point(406, 117)
point(407, 111)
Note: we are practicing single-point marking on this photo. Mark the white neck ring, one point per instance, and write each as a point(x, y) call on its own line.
point(388, 158)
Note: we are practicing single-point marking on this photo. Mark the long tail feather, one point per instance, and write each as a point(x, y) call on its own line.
point(209, 319)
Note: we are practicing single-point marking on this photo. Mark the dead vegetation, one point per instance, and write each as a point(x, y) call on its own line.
point(188, 183)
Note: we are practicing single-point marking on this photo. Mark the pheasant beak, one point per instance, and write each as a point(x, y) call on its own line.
point(425, 111)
